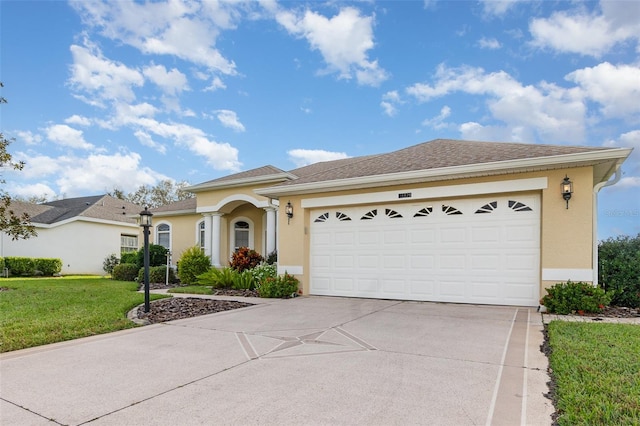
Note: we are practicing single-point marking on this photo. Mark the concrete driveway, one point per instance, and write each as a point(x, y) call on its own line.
point(310, 360)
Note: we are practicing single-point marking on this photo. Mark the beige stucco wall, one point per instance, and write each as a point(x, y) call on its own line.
point(566, 235)
point(184, 233)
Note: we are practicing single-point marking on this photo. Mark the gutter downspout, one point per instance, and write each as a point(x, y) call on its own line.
point(597, 189)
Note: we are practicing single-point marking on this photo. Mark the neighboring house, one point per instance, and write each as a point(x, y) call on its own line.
point(446, 220)
point(81, 232)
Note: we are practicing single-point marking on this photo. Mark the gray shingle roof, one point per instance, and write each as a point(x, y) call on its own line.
point(435, 154)
point(253, 173)
point(101, 207)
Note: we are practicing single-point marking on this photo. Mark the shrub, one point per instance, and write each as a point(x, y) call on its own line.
point(263, 271)
point(48, 266)
point(125, 272)
point(217, 278)
point(109, 262)
point(193, 262)
point(157, 256)
point(245, 258)
point(129, 257)
point(619, 269)
point(282, 287)
point(20, 265)
point(158, 274)
point(244, 281)
point(571, 297)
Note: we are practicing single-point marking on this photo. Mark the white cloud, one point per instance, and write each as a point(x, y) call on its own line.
point(585, 33)
point(98, 76)
point(87, 175)
point(146, 140)
point(37, 166)
point(475, 131)
point(438, 122)
point(304, 157)
point(489, 43)
point(78, 120)
point(216, 83)
point(171, 82)
point(628, 182)
point(497, 7)
point(390, 102)
point(67, 136)
point(615, 88)
point(32, 190)
point(556, 114)
point(343, 41)
point(187, 30)
point(229, 119)
point(28, 137)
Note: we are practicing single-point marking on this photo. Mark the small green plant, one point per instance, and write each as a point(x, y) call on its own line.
point(109, 262)
point(217, 278)
point(129, 257)
point(125, 272)
point(244, 281)
point(272, 257)
point(619, 269)
point(193, 262)
point(245, 258)
point(575, 297)
point(158, 274)
point(263, 271)
point(280, 287)
point(157, 256)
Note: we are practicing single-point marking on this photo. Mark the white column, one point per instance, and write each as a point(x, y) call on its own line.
point(271, 229)
point(215, 239)
point(207, 234)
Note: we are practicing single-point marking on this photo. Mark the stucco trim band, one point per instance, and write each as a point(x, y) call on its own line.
point(562, 275)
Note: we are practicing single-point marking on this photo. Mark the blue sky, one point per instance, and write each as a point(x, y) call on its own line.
point(120, 93)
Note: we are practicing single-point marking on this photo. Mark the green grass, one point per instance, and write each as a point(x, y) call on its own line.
point(597, 372)
point(38, 311)
point(193, 289)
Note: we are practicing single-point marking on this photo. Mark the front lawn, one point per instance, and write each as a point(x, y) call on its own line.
point(193, 289)
point(596, 368)
point(38, 311)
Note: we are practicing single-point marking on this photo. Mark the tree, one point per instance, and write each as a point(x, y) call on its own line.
point(18, 226)
point(165, 192)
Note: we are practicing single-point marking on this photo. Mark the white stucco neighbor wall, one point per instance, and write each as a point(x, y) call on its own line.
point(82, 245)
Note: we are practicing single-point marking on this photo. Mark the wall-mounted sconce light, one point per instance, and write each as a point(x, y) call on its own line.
point(566, 187)
point(288, 209)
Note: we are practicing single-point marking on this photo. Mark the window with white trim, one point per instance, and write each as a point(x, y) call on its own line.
point(128, 243)
point(163, 235)
point(201, 235)
point(241, 234)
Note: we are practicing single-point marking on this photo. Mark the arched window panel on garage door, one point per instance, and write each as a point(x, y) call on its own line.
point(450, 210)
point(424, 212)
point(518, 206)
point(370, 215)
point(342, 217)
point(322, 218)
point(392, 213)
point(487, 208)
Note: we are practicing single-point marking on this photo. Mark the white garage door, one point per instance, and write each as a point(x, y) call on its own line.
point(484, 251)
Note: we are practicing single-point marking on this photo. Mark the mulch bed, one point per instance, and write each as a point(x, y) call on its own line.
point(186, 307)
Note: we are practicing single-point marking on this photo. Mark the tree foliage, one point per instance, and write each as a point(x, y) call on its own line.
point(165, 192)
point(619, 269)
point(18, 226)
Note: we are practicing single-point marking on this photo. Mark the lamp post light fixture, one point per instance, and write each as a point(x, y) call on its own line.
point(288, 209)
point(145, 222)
point(566, 187)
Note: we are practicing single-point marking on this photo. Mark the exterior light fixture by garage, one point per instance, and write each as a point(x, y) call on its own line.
point(566, 189)
point(145, 222)
point(288, 209)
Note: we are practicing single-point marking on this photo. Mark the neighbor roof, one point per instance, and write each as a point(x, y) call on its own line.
point(100, 207)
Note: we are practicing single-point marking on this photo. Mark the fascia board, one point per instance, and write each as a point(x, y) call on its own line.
point(174, 213)
point(280, 177)
point(83, 219)
point(497, 167)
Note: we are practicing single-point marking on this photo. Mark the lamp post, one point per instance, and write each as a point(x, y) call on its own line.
point(145, 222)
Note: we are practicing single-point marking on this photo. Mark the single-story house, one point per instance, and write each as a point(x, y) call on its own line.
point(81, 232)
point(445, 220)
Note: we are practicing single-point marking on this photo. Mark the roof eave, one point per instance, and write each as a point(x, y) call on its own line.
point(266, 179)
point(446, 173)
